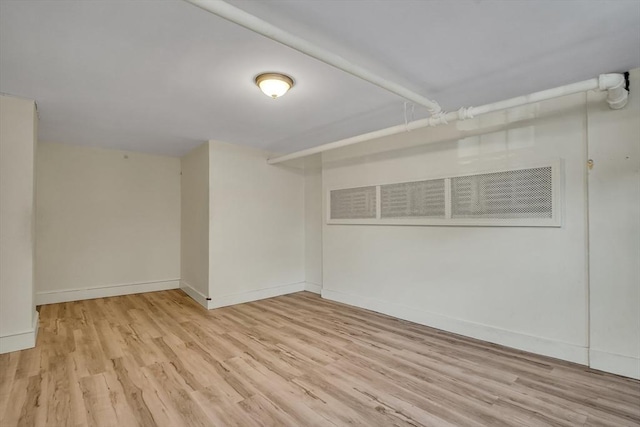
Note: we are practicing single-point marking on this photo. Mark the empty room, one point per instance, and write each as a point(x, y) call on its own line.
point(319, 213)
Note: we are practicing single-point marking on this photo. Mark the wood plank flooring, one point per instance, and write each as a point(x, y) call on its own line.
point(296, 360)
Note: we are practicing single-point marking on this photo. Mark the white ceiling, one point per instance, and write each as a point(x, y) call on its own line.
point(163, 76)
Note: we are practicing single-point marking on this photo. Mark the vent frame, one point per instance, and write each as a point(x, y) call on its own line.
point(367, 193)
point(555, 220)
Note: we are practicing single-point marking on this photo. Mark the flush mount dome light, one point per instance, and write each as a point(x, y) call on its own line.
point(274, 85)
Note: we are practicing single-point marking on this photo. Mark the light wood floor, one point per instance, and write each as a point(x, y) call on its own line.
point(297, 360)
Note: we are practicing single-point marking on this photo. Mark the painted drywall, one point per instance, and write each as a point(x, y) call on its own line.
point(108, 222)
point(614, 233)
point(18, 136)
point(257, 247)
point(195, 224)
point(313, 222)
point(518, 286)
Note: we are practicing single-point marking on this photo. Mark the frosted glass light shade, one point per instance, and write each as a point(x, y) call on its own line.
point(274, 85)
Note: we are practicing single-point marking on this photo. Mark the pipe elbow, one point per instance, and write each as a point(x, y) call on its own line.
point(614, 84)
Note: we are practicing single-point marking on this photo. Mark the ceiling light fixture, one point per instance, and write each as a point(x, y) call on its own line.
point(274, 85)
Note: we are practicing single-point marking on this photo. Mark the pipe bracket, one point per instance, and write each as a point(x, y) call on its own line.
point(465, 113)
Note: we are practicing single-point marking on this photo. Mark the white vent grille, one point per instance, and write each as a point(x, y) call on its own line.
point(354, 203)
point(525, 193)
point(413, 199)
point(524, 197)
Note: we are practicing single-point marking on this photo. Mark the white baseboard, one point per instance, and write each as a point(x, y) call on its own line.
point(21, 340)
point(313, 287)
point(240, 298)
point(66, 295)
point(195, 294)
point(626, 366)
point(543, 346)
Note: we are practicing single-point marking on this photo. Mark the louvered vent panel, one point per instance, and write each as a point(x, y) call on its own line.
point(413, 199)
point(353, 203)
point(525, 193)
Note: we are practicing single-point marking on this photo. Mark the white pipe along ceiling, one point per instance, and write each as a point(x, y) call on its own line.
point(614, 84)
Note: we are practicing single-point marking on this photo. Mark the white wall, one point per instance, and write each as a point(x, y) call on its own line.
point(521, 287)
point(257, 247)
point(108, 223)
point(614, 241)
point(195, 224)
point(313, 222)
point(18, 136)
